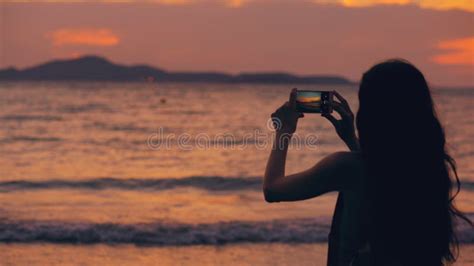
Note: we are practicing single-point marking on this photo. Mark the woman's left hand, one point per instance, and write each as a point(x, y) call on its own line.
point(345, 126)
point(285, 118)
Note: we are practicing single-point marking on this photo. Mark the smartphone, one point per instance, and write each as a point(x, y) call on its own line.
point(314, 101)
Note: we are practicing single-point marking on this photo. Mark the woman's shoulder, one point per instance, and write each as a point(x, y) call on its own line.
point(346, 158)
point(348, 165)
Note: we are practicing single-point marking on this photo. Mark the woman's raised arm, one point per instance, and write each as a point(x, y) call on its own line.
point(330, 174)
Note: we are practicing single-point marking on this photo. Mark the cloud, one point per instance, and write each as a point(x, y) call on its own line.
point(365, 3)
point(459, 52)
point(448, 4)
point(467, 5)
point(236, 3)
point(84, 37)
point(173, 2)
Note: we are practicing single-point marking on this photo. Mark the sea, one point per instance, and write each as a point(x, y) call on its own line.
point(99, 173)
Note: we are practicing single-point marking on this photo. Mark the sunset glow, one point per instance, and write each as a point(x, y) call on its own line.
point(302, 37)
point(309, 99)
point(467, 5)
point(458, 52)
point(363, 3)
point(174, 2)
point(236, 3)
point(90, 37)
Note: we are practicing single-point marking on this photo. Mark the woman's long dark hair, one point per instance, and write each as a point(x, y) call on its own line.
point(410, 191)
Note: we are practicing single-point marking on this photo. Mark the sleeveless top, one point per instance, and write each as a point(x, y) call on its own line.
point(333, 238)
point(360, 256)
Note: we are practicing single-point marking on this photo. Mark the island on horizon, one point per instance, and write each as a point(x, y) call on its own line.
point(96, 68)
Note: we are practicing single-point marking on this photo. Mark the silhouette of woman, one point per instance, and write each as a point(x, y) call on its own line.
point(395, 203)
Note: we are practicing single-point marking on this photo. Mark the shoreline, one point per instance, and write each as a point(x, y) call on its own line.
point(233, 254)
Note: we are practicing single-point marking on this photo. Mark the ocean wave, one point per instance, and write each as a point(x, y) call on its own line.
point(175, 234)
point(90, 107)
point(117, 127)
point(213, 183)
point(30, 118)
point(163, 233)
point(28, 139)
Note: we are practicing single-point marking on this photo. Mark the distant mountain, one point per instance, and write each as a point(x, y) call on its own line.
point(94, 68)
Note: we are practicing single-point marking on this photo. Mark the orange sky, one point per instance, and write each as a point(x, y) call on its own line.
point(84, 37)
point(300, 36)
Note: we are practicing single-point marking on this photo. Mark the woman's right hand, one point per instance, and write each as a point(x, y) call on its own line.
point(345, 126)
